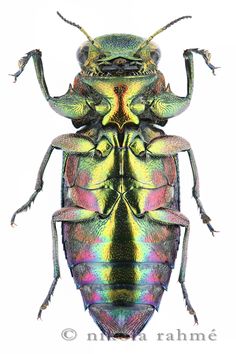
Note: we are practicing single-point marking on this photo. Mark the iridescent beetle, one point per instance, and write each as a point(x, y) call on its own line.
point(120, 210)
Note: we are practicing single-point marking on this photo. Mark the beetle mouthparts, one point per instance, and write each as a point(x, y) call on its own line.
point(119, 67)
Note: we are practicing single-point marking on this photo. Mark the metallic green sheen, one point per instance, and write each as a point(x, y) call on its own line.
point(120, 209)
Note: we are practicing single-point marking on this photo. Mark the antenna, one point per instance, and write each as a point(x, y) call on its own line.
point(142, 45)
point(91, 40)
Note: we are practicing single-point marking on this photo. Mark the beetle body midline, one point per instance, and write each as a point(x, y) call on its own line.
point(120, 210)
point(120, 255)
point(123, 97)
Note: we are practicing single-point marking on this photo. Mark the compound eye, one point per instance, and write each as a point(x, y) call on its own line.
point(155, 55)
point(82, 54)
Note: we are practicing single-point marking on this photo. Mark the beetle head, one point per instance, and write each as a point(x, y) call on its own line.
point(119, 54)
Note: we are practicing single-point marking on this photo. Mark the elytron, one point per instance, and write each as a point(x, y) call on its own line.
point(120, 209)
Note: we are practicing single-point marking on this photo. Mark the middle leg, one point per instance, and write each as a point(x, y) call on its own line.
point(171, 145)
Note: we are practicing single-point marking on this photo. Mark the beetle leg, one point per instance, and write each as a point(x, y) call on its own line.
point(166, 104)
point(55, 267)
point(71, 105)
point(38, 186)
point(174, 217)
point(183, 271)
point(196, 191)
point(206, 56)
point(36, 55)
point(66, 142)
point(172, 145)
point(71, 214)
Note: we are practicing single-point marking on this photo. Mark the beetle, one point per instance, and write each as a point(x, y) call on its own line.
point(120, 210)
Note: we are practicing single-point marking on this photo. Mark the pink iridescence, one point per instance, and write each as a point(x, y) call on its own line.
point(148, 298)
point(153, 278)
point(95, 297)
point(84, 198)
point(88, 278)
point(155, 256)
point(70, 170)
point(158, 178)
point(84, 255)
point(170, 169)
point(83, 179)
point(158, 198)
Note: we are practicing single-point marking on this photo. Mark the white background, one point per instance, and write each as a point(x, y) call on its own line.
point(28, 126)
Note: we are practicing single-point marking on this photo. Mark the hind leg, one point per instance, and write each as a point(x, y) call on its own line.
point(182, 273)
point(56, 269)
point(71, 214)
point(174, 217)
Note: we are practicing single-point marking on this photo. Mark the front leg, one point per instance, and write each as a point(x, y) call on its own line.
point(36, 55)
point(166, 104)
point(71, 105)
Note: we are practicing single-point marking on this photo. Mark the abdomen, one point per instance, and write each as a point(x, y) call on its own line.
point(120, 258)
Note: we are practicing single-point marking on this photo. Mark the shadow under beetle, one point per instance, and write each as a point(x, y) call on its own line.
point(120, 209)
